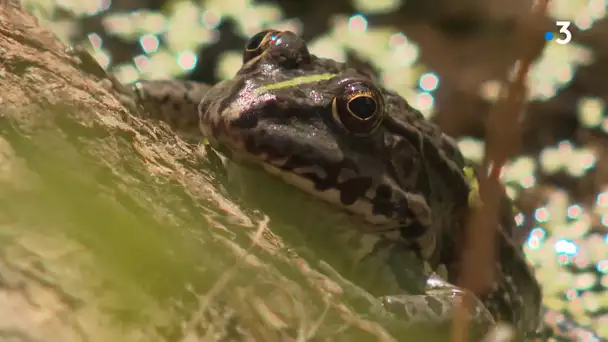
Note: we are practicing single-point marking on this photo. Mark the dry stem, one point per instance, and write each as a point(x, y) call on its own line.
point(503, 133)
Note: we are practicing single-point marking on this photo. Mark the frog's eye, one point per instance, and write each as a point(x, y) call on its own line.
point(359, 109)
point(258, 43)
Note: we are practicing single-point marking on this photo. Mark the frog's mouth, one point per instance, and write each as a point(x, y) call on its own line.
point(388, 216)
point(312, 161)
point(322, 179)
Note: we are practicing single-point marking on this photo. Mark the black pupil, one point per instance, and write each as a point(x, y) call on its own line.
point(256, 40)
point(364, 107)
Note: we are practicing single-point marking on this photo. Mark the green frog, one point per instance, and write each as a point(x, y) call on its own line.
point(334, 132)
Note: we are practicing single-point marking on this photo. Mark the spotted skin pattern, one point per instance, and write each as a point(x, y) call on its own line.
point(335, 133)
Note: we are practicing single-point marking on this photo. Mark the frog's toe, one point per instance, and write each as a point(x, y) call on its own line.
point(436, 307)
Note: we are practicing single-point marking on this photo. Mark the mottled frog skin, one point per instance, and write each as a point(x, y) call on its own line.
point(337, 134)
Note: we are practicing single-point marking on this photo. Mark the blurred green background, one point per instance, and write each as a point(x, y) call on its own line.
point(445, 57)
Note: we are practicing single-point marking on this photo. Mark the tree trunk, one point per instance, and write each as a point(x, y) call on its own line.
point(107, 226)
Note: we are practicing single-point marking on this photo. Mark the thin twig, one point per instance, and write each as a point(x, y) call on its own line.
point(503, 133)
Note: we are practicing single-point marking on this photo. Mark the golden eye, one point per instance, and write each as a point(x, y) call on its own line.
point(258, 43)
point(358, 109)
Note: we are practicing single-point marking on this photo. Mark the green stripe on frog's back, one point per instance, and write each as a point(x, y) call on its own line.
point(296, 81)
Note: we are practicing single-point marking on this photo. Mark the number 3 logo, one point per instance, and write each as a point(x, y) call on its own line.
point(563, 28)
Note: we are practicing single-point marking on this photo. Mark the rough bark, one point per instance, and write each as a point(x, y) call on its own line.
point(100, 211)
point(70, 167)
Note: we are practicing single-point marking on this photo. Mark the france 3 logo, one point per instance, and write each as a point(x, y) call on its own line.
point(565, 36)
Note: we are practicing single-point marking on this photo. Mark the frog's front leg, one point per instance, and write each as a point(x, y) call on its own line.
point(172, 101)
point(437, 306)
point(434, 306)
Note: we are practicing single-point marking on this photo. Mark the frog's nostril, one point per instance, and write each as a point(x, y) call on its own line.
point(290, 50)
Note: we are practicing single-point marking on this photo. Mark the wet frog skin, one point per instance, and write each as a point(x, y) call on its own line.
point(336, 134)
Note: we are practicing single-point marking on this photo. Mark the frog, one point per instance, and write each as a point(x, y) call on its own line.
point(334, 132)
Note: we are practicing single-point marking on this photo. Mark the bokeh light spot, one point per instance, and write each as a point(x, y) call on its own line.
point(541, 215)
point(424, 101)
point(563, 259)
point(574, 211)
point(602, 200)
point(149, 43)
point(429, 82)
point(602, 266)
point(519, 219)
point(95, 40)
point(210, 20)
point(536, 238)
point(397, 39)
point(357, 23)
point(187, 60)
point(142, 63)
point(567, 247)
point(571, 294)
